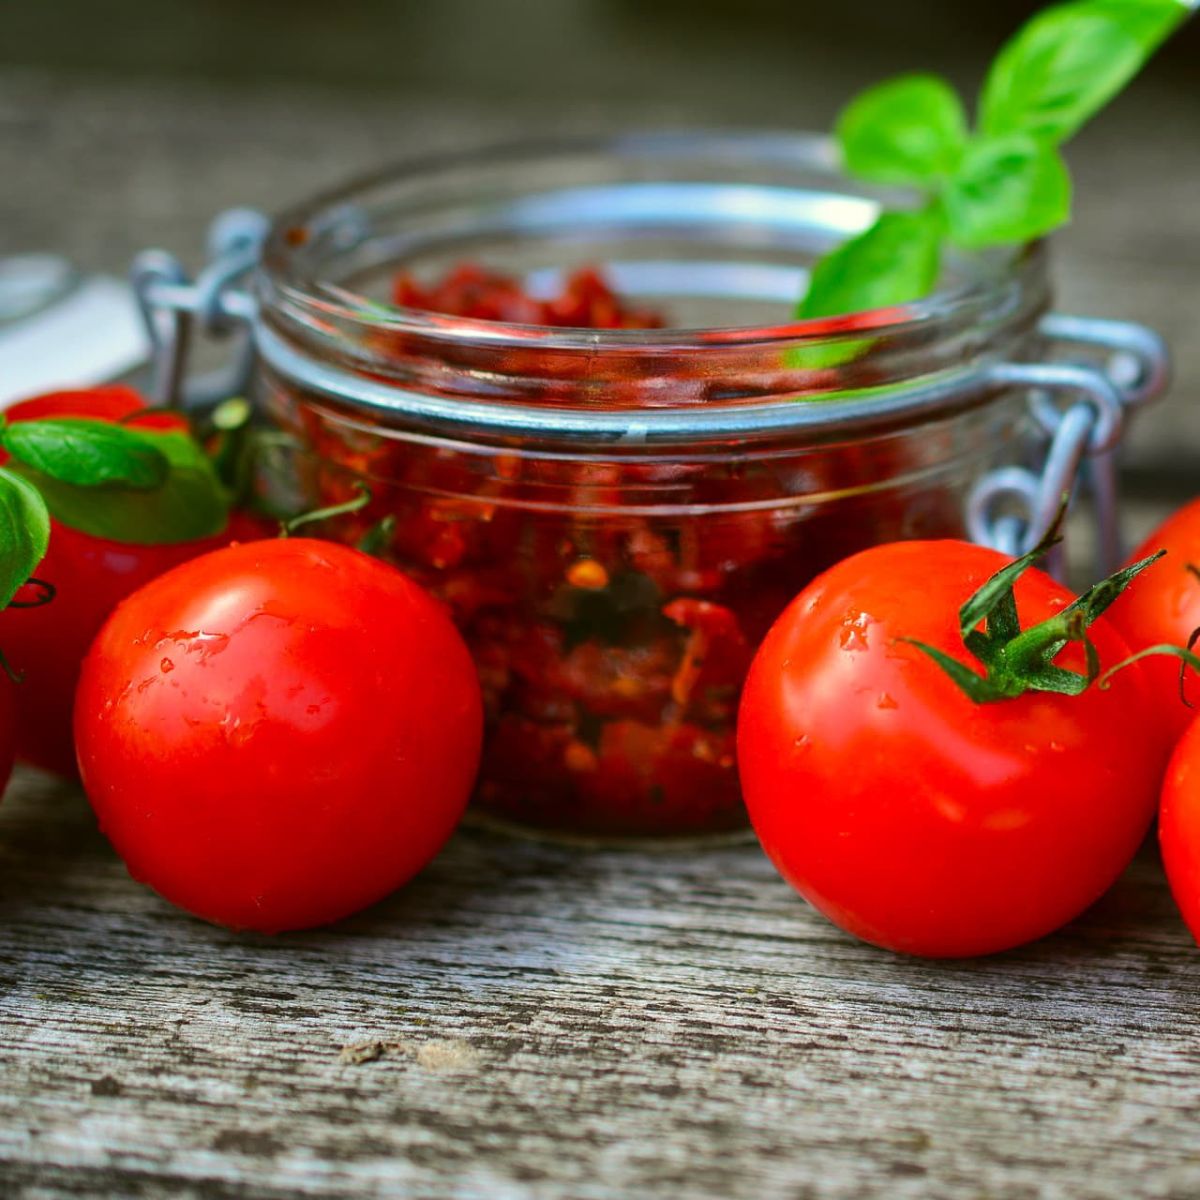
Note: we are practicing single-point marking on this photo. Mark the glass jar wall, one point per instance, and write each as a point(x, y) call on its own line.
point(615, 517)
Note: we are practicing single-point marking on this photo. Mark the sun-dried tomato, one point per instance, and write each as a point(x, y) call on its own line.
point(585, 302)
point(612, 605)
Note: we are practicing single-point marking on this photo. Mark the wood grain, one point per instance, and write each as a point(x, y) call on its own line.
point(528, 1021)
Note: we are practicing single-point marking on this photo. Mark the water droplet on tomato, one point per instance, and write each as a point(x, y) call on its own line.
point(854, 632)
point(166, 665)
point(885, 701)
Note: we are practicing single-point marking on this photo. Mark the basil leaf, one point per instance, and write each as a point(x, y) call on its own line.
point(909, 130)
point(24, 532)
point(1007, 190)
point(190, 504)
point(1068, 62)
point(87, 453)
point(893, 262)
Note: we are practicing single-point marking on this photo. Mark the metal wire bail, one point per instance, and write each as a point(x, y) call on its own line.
point(1012, 508)
point(174, 307)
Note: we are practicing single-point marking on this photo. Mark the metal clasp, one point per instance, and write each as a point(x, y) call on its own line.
point(174, 306)
point(1011, 508)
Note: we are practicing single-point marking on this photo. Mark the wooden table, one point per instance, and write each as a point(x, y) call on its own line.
point(527, 1021)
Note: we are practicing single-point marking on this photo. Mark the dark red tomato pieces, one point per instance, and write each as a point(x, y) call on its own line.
point(616, 713)
point(586, 301)
point(611, 627)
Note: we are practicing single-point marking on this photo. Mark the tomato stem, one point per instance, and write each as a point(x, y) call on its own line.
point(289, 527)
point(1183, 653)
point(378, 538)
point(1017, 660)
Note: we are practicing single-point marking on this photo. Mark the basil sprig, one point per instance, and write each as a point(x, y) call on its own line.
point(190, 503)
point(1005, 182)
point(108, 480)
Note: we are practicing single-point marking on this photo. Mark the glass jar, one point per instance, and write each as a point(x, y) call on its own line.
point(614, 518)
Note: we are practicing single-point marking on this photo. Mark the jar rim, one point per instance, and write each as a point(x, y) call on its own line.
point(996, 271)
point(775, 192)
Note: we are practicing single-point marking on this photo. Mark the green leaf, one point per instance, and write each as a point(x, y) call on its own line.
point(1065, 64)
point(190, 504)
point(908, 130)
point(24, 532)
point(893, 262)
point(86, 453)
point(1007, 190)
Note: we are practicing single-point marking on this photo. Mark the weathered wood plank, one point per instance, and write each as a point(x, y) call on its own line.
point(575, 1023)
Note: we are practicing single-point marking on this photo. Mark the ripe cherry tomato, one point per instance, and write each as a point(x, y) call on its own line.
point(110, 403)
point(1179, 826)
point(907, 813)
point(89, 576)
point(1163, 605)
point(278, 734)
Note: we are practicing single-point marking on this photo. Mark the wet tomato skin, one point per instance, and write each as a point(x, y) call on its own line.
point(278, 734)
point(1163, 605)
point(911, 816)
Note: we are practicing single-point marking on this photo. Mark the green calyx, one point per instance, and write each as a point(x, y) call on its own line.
point(1016, 660)
point(1005, 181)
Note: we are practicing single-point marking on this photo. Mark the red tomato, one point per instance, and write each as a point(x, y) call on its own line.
point(1163, 605)
point(1179, 826)
point(278, 734)
point(8, 719)
point(905, 812)
point(114, 403)
point(90, 575)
